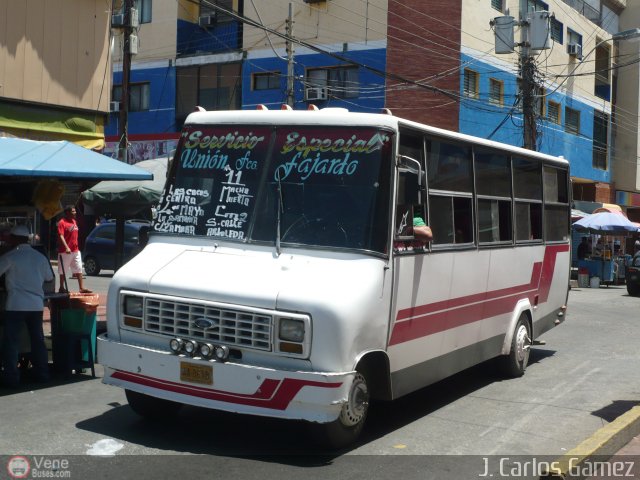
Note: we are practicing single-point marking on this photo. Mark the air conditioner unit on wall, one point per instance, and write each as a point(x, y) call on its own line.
point(574, 49)
point(114, 106)
point(316, 93)
point(117, 20)
point(207, 20)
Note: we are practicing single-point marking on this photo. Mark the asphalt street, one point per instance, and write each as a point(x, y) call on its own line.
point(582, 379)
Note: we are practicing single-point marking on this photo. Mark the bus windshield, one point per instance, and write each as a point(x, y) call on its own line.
point(289, 185)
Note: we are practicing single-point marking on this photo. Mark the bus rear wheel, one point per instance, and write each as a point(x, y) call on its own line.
point(151, 407)
point(515, 364)
point(347, 427)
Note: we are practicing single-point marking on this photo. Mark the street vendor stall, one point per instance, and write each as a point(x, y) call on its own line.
point(33, 177)
point(603, 261)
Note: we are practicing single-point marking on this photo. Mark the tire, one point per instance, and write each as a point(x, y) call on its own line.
point(151, 407)
point(91, 266)
point(347, 427)
point(633, 290)
point(515, 363)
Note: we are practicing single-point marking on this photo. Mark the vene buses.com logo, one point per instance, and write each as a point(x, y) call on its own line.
point(18, 467)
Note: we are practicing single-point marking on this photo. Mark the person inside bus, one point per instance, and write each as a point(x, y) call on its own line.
point(421, 231)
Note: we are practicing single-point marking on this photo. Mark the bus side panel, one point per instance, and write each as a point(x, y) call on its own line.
point(455, 317)
point(428, 320)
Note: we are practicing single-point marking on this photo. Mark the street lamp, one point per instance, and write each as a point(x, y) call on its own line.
point(626, 34)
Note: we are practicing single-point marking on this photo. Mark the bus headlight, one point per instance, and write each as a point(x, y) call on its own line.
point(176, 345)
point(206, 350)
point(133, 306)
point(190, 347)
point(291, 330)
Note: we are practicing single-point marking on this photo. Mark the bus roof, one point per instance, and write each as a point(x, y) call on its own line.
point(343, 117)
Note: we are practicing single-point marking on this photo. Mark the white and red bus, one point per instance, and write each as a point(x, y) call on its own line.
point(282, 277)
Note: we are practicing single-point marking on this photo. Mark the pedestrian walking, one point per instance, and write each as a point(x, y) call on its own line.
point(25, 271)
point(69, 257)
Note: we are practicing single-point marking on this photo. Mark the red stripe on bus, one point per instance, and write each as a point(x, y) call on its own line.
point(424, 320)
point(273, 394)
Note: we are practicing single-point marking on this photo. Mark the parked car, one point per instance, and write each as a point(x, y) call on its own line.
point(632, 276)
point(100, 245)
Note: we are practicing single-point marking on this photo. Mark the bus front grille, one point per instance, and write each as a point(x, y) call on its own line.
point(223, 326)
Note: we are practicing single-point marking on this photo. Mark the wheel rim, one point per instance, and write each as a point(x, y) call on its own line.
point(355, 409)
point(90, 265)
point(523, 344)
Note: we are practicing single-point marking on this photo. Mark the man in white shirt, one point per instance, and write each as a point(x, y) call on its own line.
point(25, 270)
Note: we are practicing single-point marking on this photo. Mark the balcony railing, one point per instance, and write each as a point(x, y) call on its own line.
point(585, 9)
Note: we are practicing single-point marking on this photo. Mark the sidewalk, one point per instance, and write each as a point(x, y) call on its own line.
point(613, 452)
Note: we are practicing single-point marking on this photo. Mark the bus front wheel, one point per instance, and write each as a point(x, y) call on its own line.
point(514, 364)
point(347, 427)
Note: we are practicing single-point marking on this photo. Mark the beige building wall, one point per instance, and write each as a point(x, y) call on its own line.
point(626, 173)
point(157, 40)
point(477, 39)
point(55, 52)
point(332, 22)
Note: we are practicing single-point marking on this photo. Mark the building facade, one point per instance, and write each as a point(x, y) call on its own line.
point(433, 62)
point(54, 70)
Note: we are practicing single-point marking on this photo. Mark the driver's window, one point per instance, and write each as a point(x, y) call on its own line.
point(408, 206)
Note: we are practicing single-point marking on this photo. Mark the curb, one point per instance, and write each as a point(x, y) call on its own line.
point(603, 443)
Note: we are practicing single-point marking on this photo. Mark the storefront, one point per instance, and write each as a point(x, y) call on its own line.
point(33, 179)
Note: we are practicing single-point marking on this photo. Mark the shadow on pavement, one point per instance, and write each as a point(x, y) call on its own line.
point(202, 431)
point(616, 408)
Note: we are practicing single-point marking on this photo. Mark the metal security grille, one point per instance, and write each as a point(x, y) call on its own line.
point(230, 327)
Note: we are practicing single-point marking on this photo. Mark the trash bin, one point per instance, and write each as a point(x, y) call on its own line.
point(73, 315)
point(583, 277)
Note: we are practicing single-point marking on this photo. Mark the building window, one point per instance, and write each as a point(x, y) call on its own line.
point(540, 95)
point(341, 82)
point(600, 134)
point(470, 83)
point(206, 9)
point(213, 87)
point(498, 5)
point(571, 121)
point(537, 6)
point(553, 112)
point(574, 43)
point(602, 84)
point(266, 81)
point(144, 10)
point(139, 96)
point(557, 31)
point(496, 92)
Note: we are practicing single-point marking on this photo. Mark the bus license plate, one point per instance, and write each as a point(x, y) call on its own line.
point(202, 374)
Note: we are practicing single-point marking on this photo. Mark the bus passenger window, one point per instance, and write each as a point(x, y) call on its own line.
point(528, 221)
point(451, 219)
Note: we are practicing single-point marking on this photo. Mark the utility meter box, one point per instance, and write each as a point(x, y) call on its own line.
point(539, 30)
point(504, 34)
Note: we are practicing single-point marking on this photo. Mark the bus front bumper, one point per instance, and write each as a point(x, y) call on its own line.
point(232, 387)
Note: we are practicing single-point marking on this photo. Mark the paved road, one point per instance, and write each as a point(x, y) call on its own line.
point(584, 377)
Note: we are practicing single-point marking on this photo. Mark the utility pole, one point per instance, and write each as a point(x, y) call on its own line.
point(124, 121)
point(126, 78)
point(527, 68)
point(290, 52)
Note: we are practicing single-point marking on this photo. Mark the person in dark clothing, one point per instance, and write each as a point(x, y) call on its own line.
point(583, 248)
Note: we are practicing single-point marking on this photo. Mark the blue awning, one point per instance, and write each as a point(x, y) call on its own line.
point(62, 160)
